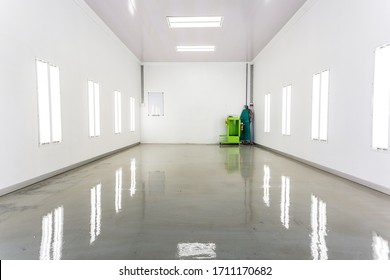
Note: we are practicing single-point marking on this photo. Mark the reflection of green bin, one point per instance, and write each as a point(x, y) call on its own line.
point(232, 131)
point(232, 162)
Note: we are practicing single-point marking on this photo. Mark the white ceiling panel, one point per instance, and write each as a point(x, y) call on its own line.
point(248, 25)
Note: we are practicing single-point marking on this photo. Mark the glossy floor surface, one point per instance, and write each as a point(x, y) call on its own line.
point(195, 202)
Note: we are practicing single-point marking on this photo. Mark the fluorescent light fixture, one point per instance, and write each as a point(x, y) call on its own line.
point(132, 7)
point(191, 22)
point(195, 48)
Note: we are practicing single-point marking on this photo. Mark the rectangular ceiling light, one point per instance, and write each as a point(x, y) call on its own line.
point(190, 22)
point(195, 48)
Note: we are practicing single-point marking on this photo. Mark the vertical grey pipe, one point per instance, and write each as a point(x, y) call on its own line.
point(142, 85)
point(246, 84)
point(251, 103)
point(251, 85)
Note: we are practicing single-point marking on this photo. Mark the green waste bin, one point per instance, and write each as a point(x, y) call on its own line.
point(233, 131)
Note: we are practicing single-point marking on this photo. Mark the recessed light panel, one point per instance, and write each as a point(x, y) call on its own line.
point(191, 22)
point(195, 48)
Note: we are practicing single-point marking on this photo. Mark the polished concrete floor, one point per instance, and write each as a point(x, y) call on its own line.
point(195, 202)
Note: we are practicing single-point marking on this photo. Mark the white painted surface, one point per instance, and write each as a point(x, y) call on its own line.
point(340, 36)
point(198, 97)
point(143, 27)
point(69, 35)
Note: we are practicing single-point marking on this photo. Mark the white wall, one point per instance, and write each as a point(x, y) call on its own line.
point(198, 97)
point(339, 35)
point(69, 35)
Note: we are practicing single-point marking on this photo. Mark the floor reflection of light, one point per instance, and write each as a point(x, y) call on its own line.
point(196, 251)
point(285, 202)
point(118, 190)
point(319, 249)
point(133, 180)
point(96, 211)
point(52, 235)
point(380, 247)
point(267, 177)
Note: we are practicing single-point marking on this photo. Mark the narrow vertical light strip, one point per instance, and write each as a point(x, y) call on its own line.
point(133, 179)
point(43, 102)
point(91, 108)
point(118, 190)
point(97, 108)
point(285, 202)
point(58, 233)
point(49, 103)
point(118, 112)
point(324, 105)
point(315, 119)
point(267, 113)
point(284, 111)
point(47, 232)
point(55, 99)
point(94, 109)
point(132, 114)
point(320, 106)
point(288, 111)
point(266, 179)
point(381, 99)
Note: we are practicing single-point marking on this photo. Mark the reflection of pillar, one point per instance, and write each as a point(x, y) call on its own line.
point(52, 235)
point(118, 190)
point(380, 247)
point(133, 180)
point(319, 249)
point(232, 162)
point(266, 186)
point(96, 212)
point(247, 165)
point(285, 202)
point(157, 182)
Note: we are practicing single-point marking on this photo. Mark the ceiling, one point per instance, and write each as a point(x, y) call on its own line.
point(248, 25)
